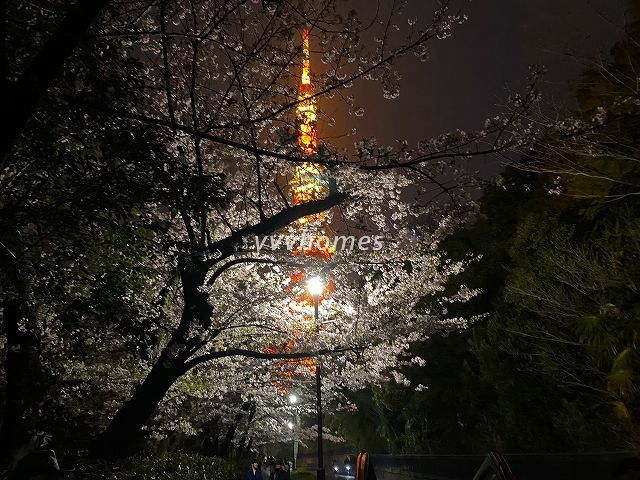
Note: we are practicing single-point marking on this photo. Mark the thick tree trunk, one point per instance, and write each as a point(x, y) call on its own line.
point(211, 444)
point(245, 441)
point(25, 384)
point(123, 436)
point(225, 449)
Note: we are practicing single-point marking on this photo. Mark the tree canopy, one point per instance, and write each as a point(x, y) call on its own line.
point(550, 363)
point(149, 169)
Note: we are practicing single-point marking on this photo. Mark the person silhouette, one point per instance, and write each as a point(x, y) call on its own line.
point(279, 473)
point(254, 472)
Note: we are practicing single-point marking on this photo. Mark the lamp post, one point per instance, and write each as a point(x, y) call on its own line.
point(293, 399)
point(314, 285)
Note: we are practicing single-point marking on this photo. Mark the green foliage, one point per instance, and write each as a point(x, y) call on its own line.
point(301, 474)
point(76, 246)
point(361, 430)
point(171, 466)
point(553, 363)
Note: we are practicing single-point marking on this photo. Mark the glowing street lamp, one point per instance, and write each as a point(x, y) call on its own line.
point(315, 287)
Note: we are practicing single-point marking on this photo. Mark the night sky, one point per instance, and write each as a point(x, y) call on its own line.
point(470, 73)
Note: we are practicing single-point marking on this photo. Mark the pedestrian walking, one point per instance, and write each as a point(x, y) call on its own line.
point(279, 472)
point(254, 472)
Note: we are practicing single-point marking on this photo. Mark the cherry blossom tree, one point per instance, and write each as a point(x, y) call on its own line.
point(220, 81)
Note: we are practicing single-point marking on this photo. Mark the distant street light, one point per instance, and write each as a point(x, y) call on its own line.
point(315, 287)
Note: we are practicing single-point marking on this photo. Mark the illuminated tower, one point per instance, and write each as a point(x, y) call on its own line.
point(307, 183)
point(306, 110)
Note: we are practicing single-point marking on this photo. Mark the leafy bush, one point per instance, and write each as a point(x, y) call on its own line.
point(302, 474)
point(172, 466)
